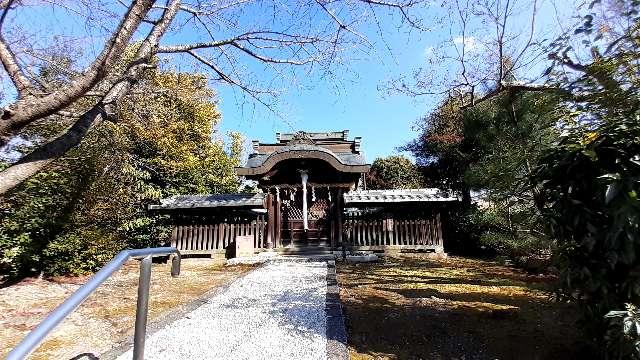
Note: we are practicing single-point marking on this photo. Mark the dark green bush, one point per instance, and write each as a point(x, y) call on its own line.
point(80, 252)
point(85, 207)
point(590, 185)
point(623, 334)
point(511, 232)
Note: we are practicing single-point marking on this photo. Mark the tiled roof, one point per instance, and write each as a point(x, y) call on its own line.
point(256, 160)
point(210, 201)
point(397, 196)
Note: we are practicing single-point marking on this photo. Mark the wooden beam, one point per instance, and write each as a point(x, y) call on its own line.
point(395, 247)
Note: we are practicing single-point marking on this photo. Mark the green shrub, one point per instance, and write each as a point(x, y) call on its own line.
point(590, 185)
point(17, 254)
point(512, 233)
point(30, 217)
point(87, 206)
point(80, 252)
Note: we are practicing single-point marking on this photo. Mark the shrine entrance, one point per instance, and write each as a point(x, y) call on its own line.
point(303, 177)
point(292, 229)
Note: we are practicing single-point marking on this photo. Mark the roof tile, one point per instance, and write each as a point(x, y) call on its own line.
point(209, 201)
point(395, 196)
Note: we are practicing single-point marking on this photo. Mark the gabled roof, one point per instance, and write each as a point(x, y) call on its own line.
point(397, 196)
point(346, 162)
point(210, 201)
point(332, 147)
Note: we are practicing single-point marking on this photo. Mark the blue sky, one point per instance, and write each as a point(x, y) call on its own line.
point(313, 103)
point(384, 121)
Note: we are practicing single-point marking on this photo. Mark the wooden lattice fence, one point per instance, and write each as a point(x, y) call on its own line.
point(214, 237)
point(371, 233)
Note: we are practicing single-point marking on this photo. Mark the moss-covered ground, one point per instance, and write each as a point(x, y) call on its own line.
point(419, 307)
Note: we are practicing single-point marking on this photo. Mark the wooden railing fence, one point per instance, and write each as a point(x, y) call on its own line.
point(215, 237)
point(359, 233)
point(366, 233)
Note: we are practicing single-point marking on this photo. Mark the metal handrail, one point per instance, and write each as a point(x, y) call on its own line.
point(37, 335)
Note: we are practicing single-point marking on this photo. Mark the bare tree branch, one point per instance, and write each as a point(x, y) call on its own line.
point(341, 25)
point(402, 7)
point(251, 92)
point(511, 88)
point(195, 46)
point(311, 35)
point(280, 39)
point(24, 111)
point(44, 155)
point(485, 50)
point(8, 58)
point(52, 150)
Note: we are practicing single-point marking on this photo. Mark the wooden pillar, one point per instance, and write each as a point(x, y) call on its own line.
point(332, 221)
point(305, 211)
point(387, 229)
point(339, 213)
point(440, 248)
point(270, 221)
point(277, 224)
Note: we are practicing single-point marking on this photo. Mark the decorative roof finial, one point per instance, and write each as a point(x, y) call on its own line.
point(301, 137)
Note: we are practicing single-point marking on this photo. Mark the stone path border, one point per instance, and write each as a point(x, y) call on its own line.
point(336, 330)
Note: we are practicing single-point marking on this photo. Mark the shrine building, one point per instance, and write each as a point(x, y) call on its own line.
point(312, 198)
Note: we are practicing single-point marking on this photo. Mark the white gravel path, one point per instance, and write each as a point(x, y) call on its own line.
point(274, 312)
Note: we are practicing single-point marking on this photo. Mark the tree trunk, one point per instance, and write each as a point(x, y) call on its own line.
point(43, 156)
point(466, 196)
point(19, 114)
point(46, 154)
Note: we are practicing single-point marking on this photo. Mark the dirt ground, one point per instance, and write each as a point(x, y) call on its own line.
point(108, 315)
point(416, 307)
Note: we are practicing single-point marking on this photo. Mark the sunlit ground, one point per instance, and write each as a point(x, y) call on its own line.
point(415, 307)
point(106, 317)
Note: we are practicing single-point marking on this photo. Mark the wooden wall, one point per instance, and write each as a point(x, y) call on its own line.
point(382, 231)
point(389, 232)
point(213, 237)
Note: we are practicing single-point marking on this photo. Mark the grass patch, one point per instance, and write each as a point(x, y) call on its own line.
point(417, 307)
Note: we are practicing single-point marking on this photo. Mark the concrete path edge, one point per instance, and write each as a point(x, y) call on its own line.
point(336, 331)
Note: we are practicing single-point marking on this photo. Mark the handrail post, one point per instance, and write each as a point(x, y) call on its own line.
point(142, 308)
point(37, 335)
point(176, 260)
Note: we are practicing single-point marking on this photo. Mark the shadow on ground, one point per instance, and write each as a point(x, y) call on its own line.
point(419, 308)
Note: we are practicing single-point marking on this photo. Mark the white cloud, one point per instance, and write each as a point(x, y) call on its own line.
point(470, 42)
point(429, 51)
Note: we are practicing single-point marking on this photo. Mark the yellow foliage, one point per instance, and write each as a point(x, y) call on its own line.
point(174, 116)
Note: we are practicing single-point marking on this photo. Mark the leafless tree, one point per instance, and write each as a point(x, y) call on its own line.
point(499, 46)
point(226, 37)
point(493, 46)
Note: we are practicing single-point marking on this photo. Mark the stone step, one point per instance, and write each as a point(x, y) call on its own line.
point(306, 250)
